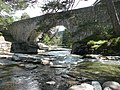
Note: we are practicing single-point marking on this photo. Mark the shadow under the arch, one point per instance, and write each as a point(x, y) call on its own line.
point(23, 48)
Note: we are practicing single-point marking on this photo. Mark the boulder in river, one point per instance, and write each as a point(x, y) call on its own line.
point(112, 85)
point(83, 86)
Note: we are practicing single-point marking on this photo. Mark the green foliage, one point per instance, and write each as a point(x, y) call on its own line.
point(8, 7)
point(97, 42)
point(106, 47)
point(4, 7)
point(5, 20)
point(46, 39)
point(56, 5)
point(57, 38)
point(114, 41)
point(25, 16)
point(19, 4)
point(67, 39)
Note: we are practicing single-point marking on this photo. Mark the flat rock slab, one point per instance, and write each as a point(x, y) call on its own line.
point(58, 66)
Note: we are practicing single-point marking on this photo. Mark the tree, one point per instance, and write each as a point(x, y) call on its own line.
point(66, 40)
point(113, 15)
point(112, 11)
point(57, 5)
point(19, 4)
point(63, 5)
point(25, 16)
point(8, 7)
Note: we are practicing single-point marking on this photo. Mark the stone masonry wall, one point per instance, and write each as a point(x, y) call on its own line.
point(5, 46)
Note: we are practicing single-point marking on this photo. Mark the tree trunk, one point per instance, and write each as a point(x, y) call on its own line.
point(113, 16)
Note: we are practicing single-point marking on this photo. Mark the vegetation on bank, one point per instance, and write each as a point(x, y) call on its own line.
point(96, 71)
point(110, 46)
point(101, 42)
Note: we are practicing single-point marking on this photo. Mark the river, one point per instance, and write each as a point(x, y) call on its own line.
point(28, 73)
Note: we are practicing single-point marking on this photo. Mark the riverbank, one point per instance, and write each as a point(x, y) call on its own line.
point(97, 46)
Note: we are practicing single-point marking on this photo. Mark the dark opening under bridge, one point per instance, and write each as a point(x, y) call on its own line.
point(80, 22)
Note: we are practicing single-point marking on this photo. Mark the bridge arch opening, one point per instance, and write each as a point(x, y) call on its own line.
point(53, 36)
point(58, 35)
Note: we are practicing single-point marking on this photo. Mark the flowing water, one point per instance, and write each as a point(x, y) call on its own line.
point(30, 74)
point(22, 75)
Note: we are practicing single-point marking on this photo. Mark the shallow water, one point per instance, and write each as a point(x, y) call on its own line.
point(18, 75)
point(25, 74)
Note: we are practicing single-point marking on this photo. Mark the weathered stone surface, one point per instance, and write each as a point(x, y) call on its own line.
point(58, 66)
point(83, 86)
point(69, 19)
point(107, 88)
point(5, 46)
point(112, 85)
point(96, 85)
point(51, 82)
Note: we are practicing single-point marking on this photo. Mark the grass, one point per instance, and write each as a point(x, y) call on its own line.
point(97, 71)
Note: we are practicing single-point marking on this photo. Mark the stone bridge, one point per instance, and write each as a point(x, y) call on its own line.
point(81, 23)
point(27, 30)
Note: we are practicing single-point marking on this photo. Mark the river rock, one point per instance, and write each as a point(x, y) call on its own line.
point(16, 58)
point(51, 82)
point(96, 85)
point(107, 88)
point(30, 66)
point(5, 56)
point(83, 86)
point(58, 66)
point(43, 46)
point(45, 62)
point(112, 85)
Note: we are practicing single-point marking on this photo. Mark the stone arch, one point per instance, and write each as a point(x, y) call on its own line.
point(35, 35)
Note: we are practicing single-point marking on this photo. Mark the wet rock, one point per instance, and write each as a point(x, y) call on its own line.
point(45, 62)
point(112, 85)
point(51, 82)
point(51, 63)
point(94, 56)
point(43, 46)
point(68, 77)
point(96, 85)
point(47, 58)
point(30, 66)
point(5, 56)
point(16, 58)
point(113, 57)
point(83, 86)
point(58, 66)
point(107, 88)
point(24, 56)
